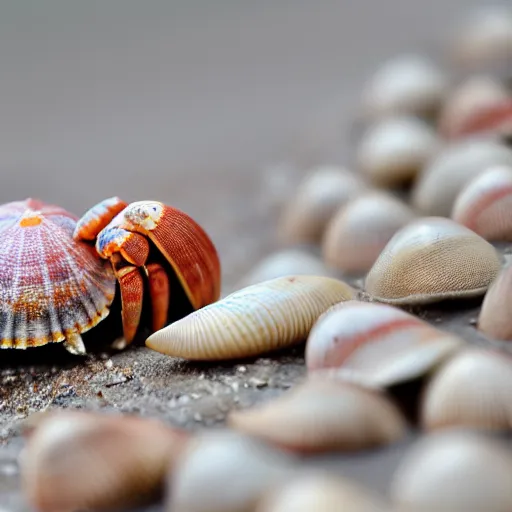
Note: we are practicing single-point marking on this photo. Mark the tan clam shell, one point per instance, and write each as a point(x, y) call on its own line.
point(317, 198)
point(471, 390)
point(252, 321)
point(394, 150)
point(485, 204)
point(77, 461)
point(404, 84)
point(223, 471)
point(444, 177)
point(432, 259)
point(359, 231)
point(323, 415)
point(454, 471)
point(376, 344)
point(322, 492)
point(494, 319)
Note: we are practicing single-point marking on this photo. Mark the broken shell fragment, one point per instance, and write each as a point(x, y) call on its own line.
point(318, 197)
point(433, 259)
point(453, 168)
point(394, 150)
point(356, 235)
point(252, 321)
point(223, 471)
point(321, 415)
point(485, 204)
point(77, 461)
point(454, 471)
point(376, 344)
point(471, 390)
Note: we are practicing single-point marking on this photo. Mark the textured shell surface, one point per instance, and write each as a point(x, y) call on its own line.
point(485, 204)
point(52, 288)
point(432, 259)
point(359, 231)
point(453, 167)
point(257, 319)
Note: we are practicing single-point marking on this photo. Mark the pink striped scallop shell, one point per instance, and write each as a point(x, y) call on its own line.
point(52, 288)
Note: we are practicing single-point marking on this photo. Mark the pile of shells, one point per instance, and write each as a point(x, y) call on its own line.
point(415, 219)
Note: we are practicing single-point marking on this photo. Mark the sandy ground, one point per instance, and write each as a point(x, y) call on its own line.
point(186, 104)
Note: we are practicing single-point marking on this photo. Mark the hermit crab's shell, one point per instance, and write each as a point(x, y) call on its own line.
point(52, 288)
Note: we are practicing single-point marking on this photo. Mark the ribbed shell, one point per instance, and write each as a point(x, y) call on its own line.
point(485, 204)
point(51, 286)
point(432, 259)
point(252, 321)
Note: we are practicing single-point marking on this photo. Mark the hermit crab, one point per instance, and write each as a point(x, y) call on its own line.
point(58, 273)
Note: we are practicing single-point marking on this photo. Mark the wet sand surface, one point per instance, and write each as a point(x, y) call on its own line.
point(188, 105)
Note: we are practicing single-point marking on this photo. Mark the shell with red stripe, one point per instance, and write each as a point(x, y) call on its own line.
point(52, 288)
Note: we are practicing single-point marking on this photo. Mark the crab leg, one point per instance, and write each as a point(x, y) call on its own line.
point(159, 291)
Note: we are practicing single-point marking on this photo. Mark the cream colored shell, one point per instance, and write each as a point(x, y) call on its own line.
point(444, 177)
point(252, 321)
point(485, 204)
point(322, 415)
point(432, 259)
point(359, 231)
point(394, 150)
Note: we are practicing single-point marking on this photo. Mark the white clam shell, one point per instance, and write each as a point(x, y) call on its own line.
point(323, 415)
point(359, 231)
point(394, 150)
point(252, 321)
point(317, 198)
point(485, 204)
point(472, 389)
point(325, 492)
point(223, 471)
point(78, 461)
point(444, 177)
point(404, 84)
point(494, 319)
point(376, 344)
point(432, 259)
point(454, 471)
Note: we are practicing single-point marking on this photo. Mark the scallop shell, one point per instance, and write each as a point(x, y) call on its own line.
point(494, 319)
point(376, 344)
point(77, 461)
point(453, 168)
point(471, 390)
point(223, 471)
point(409, 84)
point(359, 231)
point(52, 288)
point(454, 471)
point(252, 321)
point(432, 259)
point(394, 150)
point(323, 415)
point(485, 204)
point(318, 197)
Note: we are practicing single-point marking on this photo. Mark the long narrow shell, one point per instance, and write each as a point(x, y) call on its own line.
point(356, 235)
point(394, 150)
point(444, 177)
point(223, 471)
point(485, 204)
point(257, 319)
point(454, 471)
point(52, 288)
point(318, 197)
point(494, 319)
point(433, 259)
point(76, 461)
point(376, 344)
point(323, 415)
point(471, 390)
